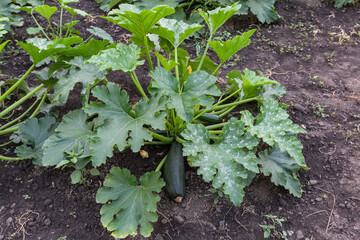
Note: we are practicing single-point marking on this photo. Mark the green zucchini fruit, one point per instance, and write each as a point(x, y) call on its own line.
point(210, 118)
point(174, 172)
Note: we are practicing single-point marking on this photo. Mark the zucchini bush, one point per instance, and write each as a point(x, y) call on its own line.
point(183, 104)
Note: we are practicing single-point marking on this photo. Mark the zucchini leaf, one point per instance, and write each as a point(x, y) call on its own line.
point(250, 83)
point(46, 11)
point(264, 10)
point(216, 18)
point(274, 126)
point(138, 22)
point(282, 168)
point(226, 162)
point(196, 90)
point(72, 131)
point(175, 31)
point(33, 134)
point(341, 3)
point(40, 49)
point(227, 49)
point(122, 127)
point(128, 204)
point(101, 33)
point(87, 74)
point(123, 57)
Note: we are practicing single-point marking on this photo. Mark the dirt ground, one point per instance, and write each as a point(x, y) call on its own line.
point(314, 52)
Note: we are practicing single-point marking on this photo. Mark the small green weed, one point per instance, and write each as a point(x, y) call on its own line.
point(271, 231)
point(319, 110)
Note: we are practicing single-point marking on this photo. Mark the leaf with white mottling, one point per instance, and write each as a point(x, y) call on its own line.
point(226, 162)
point(274, 126)
point(282, 168)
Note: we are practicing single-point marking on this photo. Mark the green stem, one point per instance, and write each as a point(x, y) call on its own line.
point(179, 140)
point(223, 100)
point(216, 132)
point(7, 117)
point(9, 130)
point(39, 106)
point(3, 145)
point(37, 23)
point(162, 138)
point(9, 158)
point(20, 117)
point(23, 99)
point(137, 84)
point(204, 55)
point(168, 124)
point(2, 97)
point(160, 164)
point(227, 111)
point(217, 69)
point(177, 67)
point(173, 116)
point(215, 126)
point(68, 29)
point(52, 29)
point(61, 14)
point(148, 53)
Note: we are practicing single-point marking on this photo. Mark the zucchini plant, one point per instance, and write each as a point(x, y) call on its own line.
point(184, 107)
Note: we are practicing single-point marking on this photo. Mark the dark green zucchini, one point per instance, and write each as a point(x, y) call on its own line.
point(210, 118)
point(174, 172)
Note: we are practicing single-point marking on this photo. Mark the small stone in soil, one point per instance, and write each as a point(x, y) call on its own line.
point(299, 234)
point(13, 205)
point(47, 222)
point(2, 237)
point(9, 221)
point(47, 201)
point(341, 205)
point(11, 190)
point(179, 219)
point(164, 221)
point(318, 199)
point(348, 205)
point(313, 182)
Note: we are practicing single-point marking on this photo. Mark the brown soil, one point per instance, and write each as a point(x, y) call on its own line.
point(314, 52)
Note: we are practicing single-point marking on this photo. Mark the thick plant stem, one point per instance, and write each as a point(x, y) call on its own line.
point(20, 117)
point(216, 132)
point(217, 69)
point(215, 126)
point(227, 111)
point(39, 106)
point(61, 16)
point(138, 85)
point(179, 140)
point(9, 130)
point(161, 164)
point(39, 26)
point(162, 138)
point(177, 68)
point(225, 106)
point(2, 97)
point(204, 55)
point(223, 100)
point(9, 159)
point(23, 99)
point(148, 53)
point(68, 29)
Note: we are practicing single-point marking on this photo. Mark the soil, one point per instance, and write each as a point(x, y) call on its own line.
point(314, 52)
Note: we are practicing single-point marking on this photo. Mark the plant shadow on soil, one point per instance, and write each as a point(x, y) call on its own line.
point(314, 52)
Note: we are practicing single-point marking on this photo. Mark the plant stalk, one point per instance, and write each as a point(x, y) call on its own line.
point(148, 53)
point(23, 99)
point(138, 85)
point(162, 138)
point(205, 52)
point(9, 158)
point(2, 97)
point(161, 164)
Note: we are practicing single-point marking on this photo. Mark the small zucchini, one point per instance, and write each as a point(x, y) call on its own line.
point(174, 172)
point(210, 118)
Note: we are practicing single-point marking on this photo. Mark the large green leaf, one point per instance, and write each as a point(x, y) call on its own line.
point(137, 21)
point(80, 72)
point(87, 50)
point(149, 4)
point(175, 31)
point(123, 127)
point(8, 11)
point(263, 9)
point(39, 49)
point(74, 11)
point(73, 130)
point(46, 11)
point(33, 134)
point(196, 90)
point(216, 18)
point(128, 204)
point(123, 57)
point(274, 126)
point(282, 168)
point(99, 32)
point(227, 49)
point(227, 162)
point(250, 83)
